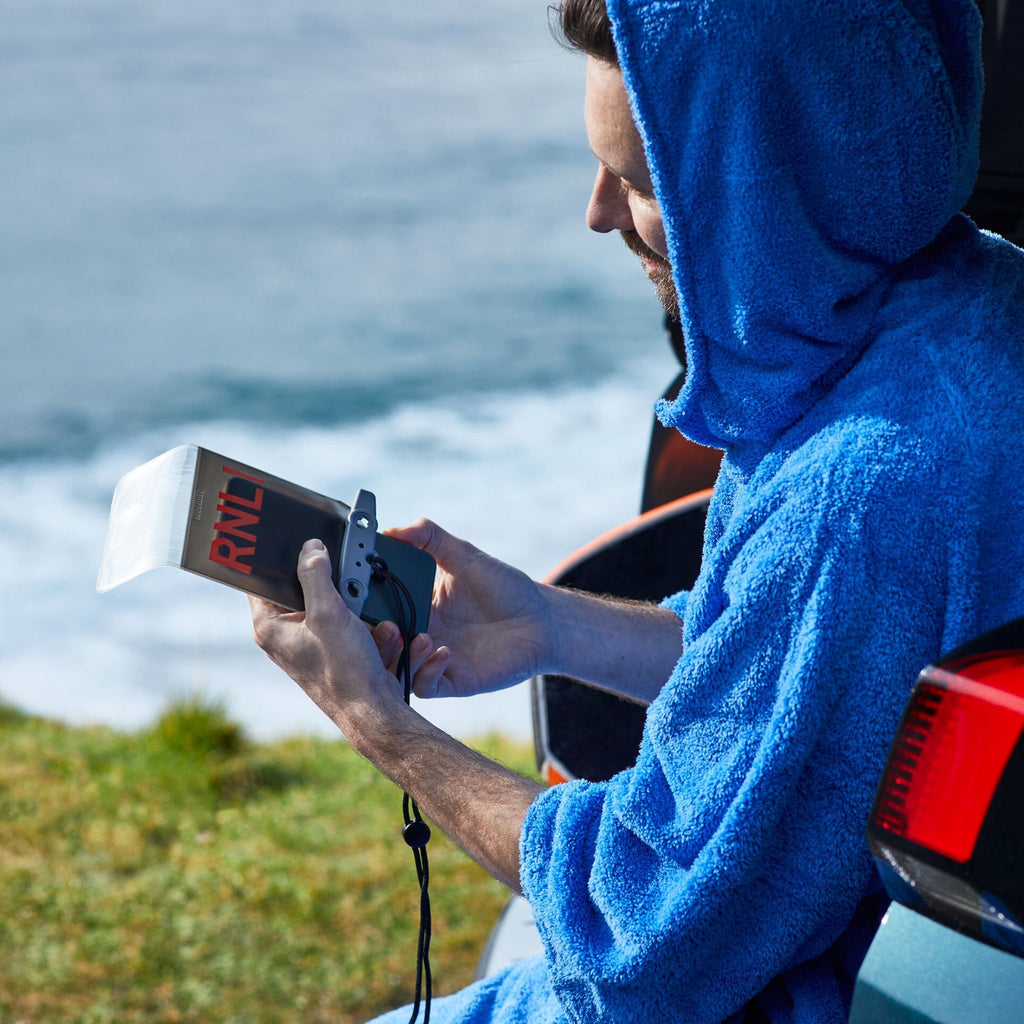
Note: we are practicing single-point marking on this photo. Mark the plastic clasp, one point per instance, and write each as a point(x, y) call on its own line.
point(357, 546)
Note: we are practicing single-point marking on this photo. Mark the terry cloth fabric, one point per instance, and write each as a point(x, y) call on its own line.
point(857, 349)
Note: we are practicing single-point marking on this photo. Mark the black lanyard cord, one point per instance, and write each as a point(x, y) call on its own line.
point(415, 831)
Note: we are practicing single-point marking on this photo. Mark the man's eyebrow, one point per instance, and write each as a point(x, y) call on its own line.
point(607, 166)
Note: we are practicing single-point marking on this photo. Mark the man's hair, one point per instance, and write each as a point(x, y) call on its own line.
point(584, 26)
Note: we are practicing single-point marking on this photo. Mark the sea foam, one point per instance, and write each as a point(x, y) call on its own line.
point(526, 476)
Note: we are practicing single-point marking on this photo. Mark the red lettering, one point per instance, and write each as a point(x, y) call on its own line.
point(238, 519)
point(244, 476)
point(255, 502)
point(227, 553)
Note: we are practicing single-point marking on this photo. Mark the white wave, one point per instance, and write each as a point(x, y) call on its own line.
point(529, 477)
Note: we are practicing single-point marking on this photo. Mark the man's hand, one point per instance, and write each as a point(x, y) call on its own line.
point(327, 650)
point(497, 627)
point(490, 620)
point(491, 627)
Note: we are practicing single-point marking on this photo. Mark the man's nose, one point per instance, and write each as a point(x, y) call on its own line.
point(608, 209)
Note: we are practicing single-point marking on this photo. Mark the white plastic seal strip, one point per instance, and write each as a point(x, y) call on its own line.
point(148, 517)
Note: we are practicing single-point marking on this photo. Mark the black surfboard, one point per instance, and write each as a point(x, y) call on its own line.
point(580, 732)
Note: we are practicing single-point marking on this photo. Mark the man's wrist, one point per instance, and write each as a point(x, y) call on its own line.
point(555, 644)
point(371, 722)
point(567, 634)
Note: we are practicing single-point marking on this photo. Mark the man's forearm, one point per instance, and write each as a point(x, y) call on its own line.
point(477, 802)
point(626, 647)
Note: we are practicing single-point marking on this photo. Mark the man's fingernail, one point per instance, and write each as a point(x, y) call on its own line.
point(312, 545)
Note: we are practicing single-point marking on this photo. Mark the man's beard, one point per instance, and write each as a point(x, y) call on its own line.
point(658, 269)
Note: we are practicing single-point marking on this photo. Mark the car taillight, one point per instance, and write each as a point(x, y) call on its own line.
point(947, 826)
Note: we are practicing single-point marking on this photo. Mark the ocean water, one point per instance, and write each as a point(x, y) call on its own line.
point(344, 243)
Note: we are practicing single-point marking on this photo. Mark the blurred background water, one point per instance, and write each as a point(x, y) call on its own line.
point(341, 242)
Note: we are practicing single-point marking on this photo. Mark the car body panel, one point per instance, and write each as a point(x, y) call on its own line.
point(918, 971)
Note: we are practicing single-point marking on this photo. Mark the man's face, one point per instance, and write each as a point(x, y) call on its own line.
point(623, 197)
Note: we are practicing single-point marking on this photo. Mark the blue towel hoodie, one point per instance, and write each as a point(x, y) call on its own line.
point(856, 347)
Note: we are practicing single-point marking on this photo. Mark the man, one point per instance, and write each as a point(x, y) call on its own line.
point(790, 174)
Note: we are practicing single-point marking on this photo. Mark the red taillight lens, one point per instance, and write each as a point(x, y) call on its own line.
point(960, 728)
point(947, 828)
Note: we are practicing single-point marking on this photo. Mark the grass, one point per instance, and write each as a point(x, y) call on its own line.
point(187, 874)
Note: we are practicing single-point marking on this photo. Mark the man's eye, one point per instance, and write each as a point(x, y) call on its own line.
point(629, 189)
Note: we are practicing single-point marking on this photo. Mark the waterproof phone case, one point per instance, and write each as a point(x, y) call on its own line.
point(233, 523)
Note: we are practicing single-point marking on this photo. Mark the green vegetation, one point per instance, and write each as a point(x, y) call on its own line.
point(186, 874)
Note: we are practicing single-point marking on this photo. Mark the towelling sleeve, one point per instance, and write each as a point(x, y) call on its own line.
point(733, 853)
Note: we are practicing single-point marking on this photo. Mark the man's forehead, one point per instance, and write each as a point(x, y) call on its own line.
point(614, 138)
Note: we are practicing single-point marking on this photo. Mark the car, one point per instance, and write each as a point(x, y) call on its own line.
point(947, 834)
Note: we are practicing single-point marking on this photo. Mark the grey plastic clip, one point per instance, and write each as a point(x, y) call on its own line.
point(356, 547)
